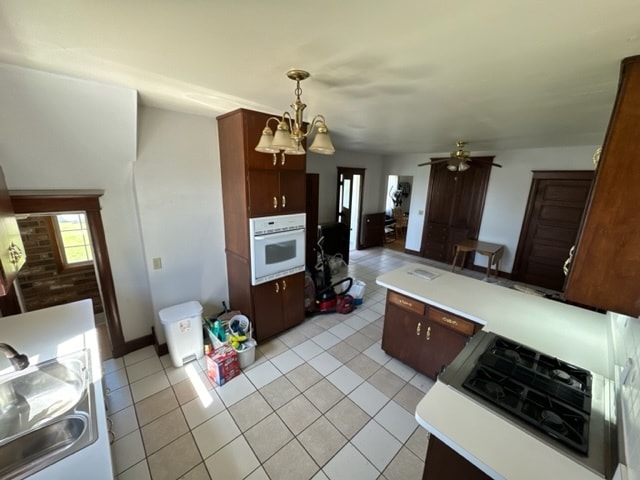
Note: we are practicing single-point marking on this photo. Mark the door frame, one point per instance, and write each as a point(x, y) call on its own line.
point(351, 171)
point(89, 203)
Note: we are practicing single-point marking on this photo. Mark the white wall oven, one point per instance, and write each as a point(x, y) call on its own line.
point(277, 246)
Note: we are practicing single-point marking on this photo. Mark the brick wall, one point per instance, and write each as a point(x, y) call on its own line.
point(41, 282)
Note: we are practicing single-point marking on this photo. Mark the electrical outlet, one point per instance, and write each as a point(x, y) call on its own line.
point(420, 212)
point(157, 263)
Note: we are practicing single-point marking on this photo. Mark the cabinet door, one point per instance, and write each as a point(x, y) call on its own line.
point(267, 308)
point(12, 256)
point(441, 345)
point(402, 334)
point(292, 293)
point(264, 195)
point(292, 192)
point(605, 271)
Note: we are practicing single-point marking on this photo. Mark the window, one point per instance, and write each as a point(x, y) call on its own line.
point(73, 239)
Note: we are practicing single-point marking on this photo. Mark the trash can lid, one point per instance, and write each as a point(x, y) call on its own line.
point(180, 312)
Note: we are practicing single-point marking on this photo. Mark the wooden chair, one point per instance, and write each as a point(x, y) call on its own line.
point(401, 221)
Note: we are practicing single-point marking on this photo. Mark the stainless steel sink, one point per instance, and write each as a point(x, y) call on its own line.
point(47, 412)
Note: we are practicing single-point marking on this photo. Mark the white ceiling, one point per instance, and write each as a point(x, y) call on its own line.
point(390, 77)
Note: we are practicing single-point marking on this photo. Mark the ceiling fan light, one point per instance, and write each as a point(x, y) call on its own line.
point(463, 166)
point(452, 168)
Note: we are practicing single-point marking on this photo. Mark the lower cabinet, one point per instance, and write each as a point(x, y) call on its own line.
point(422, 336)
point(278, 305)
point(442, 463)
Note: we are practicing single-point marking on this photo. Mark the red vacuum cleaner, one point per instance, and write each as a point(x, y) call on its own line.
point(321, 293)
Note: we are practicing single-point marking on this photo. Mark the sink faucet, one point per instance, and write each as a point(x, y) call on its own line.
point(18, 360)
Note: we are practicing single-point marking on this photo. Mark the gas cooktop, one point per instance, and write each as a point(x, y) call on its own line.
point(563, 405)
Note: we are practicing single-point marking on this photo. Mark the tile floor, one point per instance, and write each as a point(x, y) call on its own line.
point(321, 401)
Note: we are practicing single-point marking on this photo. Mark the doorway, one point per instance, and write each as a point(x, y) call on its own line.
point(557, 200)
point(349, 202)
point(396, 211)
point(89, 205)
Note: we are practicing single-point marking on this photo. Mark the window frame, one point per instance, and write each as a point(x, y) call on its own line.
point(58, 250)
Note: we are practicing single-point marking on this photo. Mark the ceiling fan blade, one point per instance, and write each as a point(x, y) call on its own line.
point(496, 165)
point(433, 162)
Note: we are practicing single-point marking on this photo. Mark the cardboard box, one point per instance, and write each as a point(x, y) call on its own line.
point(223, 364)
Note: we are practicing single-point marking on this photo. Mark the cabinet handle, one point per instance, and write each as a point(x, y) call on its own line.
point(418, 328)
point(567, 262)
point(275, 202)
point(15, 253)
point(405, 303)
point(449, 321)
point(277, 287)
point(284, 285)
point(284, 201)
point(275, 159)
point(428, 335)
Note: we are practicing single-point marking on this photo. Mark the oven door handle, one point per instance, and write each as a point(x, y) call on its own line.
point(277, 234)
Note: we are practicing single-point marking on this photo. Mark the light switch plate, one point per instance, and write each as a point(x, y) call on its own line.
point(157, 263)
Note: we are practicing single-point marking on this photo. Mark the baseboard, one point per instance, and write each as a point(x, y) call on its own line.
point(501, 274)
point(412, 252)
point(161, 349)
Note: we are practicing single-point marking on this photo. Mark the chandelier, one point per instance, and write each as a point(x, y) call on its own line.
point(289, 134)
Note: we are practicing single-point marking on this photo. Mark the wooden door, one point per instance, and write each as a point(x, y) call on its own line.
point(454, 208)
point(350, 184)
point(554, 211)
point(441, 345)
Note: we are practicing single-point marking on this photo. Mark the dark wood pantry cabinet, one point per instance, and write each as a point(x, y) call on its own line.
point(605, 270)
point(258, 184)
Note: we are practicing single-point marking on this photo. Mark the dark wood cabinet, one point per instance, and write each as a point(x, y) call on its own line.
point(258, 184)
point(278, 305)
point(422, 336)
point(442, 463)
point(12, 256)
point(454, 207)
point(605, 270)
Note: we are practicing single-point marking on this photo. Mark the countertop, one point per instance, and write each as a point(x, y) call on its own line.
point(46, 334)
point(570, 333)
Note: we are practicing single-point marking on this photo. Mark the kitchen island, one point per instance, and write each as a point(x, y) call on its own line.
point(54, 332)
point(491, 442)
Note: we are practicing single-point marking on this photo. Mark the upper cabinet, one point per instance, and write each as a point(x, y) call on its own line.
point(605, 271)
point(12, 256)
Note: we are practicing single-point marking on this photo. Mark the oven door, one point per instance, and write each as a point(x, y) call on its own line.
point(276, 255)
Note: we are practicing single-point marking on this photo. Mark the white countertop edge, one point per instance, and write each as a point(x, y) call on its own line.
point(474, 432)
point(455, 447)
point(55, 331)
point(435, 303)
point(579, 335)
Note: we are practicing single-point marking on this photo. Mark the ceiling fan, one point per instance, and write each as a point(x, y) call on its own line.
point(458, 160)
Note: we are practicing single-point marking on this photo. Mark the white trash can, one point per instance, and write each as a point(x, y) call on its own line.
point(183, 328)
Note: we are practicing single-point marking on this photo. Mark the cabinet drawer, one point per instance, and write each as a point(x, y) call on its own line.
point(407, 303)
point(459, 324)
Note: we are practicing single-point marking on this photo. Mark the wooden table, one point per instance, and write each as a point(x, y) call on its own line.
point(493, 251)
